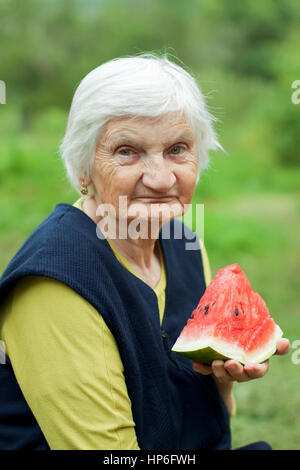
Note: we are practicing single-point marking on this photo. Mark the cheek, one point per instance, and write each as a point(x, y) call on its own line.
point(125, 180)
point(186, 179)
point(105, 167)
point(103, 176)
point(113, 180)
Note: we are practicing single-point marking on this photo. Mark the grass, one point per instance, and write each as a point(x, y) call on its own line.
point(257, 226)
point(251, 218)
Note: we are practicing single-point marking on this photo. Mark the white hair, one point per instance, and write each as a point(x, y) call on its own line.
point(146, 84)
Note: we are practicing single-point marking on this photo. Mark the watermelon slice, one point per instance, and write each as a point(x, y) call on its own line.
point(231, 321)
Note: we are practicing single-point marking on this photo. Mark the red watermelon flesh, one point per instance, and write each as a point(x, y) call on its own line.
point(231, 321)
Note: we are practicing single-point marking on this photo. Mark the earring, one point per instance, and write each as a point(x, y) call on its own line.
point(83, 189)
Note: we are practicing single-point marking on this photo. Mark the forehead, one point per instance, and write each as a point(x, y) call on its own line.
point(165, 126)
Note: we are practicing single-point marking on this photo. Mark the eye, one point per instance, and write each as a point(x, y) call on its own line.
point(177, 150)
point(126, 151)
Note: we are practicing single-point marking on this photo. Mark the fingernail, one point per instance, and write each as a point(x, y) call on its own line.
point(218, 362)
point(232, 366)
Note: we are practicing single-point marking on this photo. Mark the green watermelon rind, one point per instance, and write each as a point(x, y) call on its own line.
point(208, 354)
point(204, 355)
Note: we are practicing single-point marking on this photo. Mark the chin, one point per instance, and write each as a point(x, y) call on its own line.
point(166, 214)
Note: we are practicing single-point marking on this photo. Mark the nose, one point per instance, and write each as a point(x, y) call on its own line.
point(158, 175)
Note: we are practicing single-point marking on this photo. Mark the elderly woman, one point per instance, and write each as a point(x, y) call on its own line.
point(90, 310)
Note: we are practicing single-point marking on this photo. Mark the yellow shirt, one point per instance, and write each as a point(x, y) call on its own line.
point(67, 362)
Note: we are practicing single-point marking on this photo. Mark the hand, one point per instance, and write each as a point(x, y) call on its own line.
point(226, 372)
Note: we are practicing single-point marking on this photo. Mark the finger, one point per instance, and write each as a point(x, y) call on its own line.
point(255, 371)
point(283, 346)
point(236, 371)
point(203, 369)
point(220, 372)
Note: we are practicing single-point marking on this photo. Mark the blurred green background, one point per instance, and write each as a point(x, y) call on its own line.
point(245, 56)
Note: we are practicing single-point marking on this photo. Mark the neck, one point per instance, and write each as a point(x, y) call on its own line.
point(141, 253)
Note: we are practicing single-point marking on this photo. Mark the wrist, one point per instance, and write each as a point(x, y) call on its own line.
point(225, 389)
point(226, 392)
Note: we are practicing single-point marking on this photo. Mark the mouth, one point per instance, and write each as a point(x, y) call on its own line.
point(157, 199)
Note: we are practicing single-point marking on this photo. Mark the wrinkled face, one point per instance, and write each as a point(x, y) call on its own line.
point(153, 162)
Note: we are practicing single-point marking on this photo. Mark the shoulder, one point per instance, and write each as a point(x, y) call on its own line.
point(68, 366)
point(41, 309)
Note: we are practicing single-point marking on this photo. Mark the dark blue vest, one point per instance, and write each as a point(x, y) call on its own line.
point(173, 407)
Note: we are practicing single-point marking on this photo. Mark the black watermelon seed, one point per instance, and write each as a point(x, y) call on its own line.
point(206, 308)
point(236, 311)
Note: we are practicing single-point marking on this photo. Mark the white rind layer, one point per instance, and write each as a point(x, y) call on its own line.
point(230, 350)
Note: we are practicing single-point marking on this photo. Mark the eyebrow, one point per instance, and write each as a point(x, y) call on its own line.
point(118, 137)
point(130, 140)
